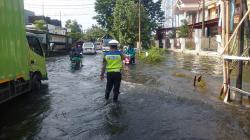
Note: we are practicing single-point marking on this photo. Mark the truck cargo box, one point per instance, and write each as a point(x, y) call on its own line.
point(14, 54)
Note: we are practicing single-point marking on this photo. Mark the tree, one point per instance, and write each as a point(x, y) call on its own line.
point(104, 10)
point(153, 9)
point(120, 17)
point(125, 26)
point(76, 29)
point(93, 34)
point(40, 24)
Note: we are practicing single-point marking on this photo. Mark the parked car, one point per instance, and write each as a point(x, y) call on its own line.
point(89, 48)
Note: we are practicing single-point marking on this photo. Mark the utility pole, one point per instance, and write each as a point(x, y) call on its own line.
point(240, 51)
point(203, 18)
point(61, 18)
point(172, 13)
point(43, 7)
point(139, 26)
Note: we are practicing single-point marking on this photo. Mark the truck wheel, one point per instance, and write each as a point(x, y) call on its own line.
point(36, 82)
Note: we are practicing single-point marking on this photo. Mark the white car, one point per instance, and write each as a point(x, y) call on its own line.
point(88, 48)
point(98, 45)
point(105, 48)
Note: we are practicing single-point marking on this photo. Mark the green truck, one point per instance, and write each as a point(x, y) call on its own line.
point(22, 61)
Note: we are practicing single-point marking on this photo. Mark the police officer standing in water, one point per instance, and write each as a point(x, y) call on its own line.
point(112, 64)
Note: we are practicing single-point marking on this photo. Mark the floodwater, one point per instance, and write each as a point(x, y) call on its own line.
point(157, 102)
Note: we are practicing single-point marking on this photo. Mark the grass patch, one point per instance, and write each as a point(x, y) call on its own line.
point(181, 75)
point(153, 55)
point(202, 84)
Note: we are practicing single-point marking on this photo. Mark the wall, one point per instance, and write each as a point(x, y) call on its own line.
point(27, 14)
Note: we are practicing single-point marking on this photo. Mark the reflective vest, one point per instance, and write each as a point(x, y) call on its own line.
point(114, 61)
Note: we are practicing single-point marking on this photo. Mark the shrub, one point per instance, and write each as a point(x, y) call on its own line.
point(183, 31)
point(155, 55)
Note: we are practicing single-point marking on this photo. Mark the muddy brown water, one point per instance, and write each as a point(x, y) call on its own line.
point(157, 102)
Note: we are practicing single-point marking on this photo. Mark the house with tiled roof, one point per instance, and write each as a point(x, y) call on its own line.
point(192, 12)
point(186, 10)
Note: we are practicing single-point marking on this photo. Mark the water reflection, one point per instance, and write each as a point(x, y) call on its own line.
point(157, 102)
point(23, 114)
point(113, 119)
point(197, 64)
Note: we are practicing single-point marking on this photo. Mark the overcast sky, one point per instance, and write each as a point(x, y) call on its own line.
point(81, 10)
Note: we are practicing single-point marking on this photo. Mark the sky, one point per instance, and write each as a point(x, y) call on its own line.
point(81, 10)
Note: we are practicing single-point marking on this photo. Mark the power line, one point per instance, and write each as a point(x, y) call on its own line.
point(64, 5)
point(66, 8)
point(70, 15)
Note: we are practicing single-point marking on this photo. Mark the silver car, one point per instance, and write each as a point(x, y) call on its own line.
point(88, 48)
point(105, 48)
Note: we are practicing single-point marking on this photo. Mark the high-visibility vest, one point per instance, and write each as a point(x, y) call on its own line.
point(114, 61)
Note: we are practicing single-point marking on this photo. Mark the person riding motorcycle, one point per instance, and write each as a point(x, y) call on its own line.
point(76, 55)
point(130, 51)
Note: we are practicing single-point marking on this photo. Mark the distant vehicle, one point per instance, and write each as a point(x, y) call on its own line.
point(105, 48)
point(89, 48)
point(105, 45)
point(98, 45)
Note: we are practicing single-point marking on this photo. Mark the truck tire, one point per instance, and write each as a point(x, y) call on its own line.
point(36, 82)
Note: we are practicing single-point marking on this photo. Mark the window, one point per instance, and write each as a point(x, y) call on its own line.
point(35, 45)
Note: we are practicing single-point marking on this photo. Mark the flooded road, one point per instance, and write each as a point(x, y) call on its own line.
point(157, 102)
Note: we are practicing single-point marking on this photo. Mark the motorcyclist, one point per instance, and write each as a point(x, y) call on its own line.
point(79, 50)
point(76, 54)
point(76, 51)
point(131, 52)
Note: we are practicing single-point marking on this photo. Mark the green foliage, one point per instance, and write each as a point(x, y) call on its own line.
point(155, 55)
point(153, 9)
point(125, 26)
point(120, 18)
point(183, 31)
point(93, 34)
point(76, 29)
point(202, 84)
point(104, 10)
point(40, 24)
point(172, 34)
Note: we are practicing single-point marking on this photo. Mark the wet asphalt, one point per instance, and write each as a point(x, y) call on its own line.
point(157, 102)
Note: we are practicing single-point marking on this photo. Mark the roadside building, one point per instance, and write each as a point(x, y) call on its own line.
point(191, 12)
point(54, 38)
point(28, 14)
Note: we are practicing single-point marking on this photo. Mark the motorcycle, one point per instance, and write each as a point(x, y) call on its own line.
point(127, 60)
point(76, 62)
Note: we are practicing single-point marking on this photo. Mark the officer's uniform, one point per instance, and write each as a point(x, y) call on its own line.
point(113, 67)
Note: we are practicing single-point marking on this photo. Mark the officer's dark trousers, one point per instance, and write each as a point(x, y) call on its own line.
point(113, 82)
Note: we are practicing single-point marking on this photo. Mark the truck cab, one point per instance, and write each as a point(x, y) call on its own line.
point(36, 61)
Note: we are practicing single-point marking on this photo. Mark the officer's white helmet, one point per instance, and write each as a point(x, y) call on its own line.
point(113, 42)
